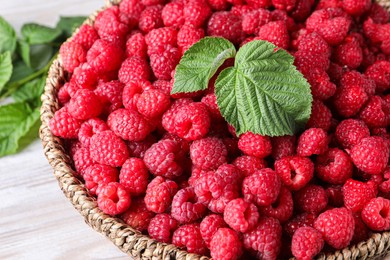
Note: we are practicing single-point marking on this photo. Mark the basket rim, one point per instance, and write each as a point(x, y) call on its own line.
point(127, 239)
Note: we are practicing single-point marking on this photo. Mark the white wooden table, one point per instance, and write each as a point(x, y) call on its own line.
point(36, 220)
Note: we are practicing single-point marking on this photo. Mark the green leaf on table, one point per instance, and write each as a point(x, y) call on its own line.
point(200, 62)
point(5, 68)
point(264, 93)
point(35, 56)
point(18, 126)
point(68, 24)
point(38, 34)
point(7, 37)
point(31, 91)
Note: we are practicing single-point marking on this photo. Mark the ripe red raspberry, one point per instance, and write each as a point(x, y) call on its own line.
point(259, 3)
point(137, 216)
point(209, 225)
point(85, 36)
point(281, 15)
point(129, 124)
point(361, 230)
point(262, 187)
point(378, 13)
point(276, 33)
point(241, 215)
point(110, 95)
point(164, 159)
point(89, 128)
point(173, 14)
point(375, 113)
point(282, 209)
point(380, 73)
point(84, 76)
point(306, 243)
point(335, 196)
point(189, 237)
point(85, 104)
point(255, 145)
point(191, 121)
point(336, 226)
point(287, 5)
point(370, 155)
point(72, 55)
point(375, 214)
point(82, 160)
point(311, 63)
point(349, 53)
point(66, 92)
point(159, 194)
point(105, 56)
point(161, 228)
point(265, 238)
point(160, 37)
point(208, 153)
point(134, 176)
point(384, 187)
point(152, 103)
point(302, 10)
point(210, 100)
point(168, 118)
point(294, 171)
point(249, 164)
point(283, 146)
point(312, 141)
point(334, 166)
point(164, 62)
point(136, 46)
point(320, 117)
point(99, 174)
point(196, 12)
point(252, 21)
point(164, 86)
point(321, 86)
point(132, 91)
point(357, 194)
point(350, 132)
point(150, 18)
point(64, 125)
point(311, 199)
point(132, 8)
point(302, 220)
point(107, 148)
point(187, 36)
point(113, 199)
point(356, 7)
point(225, 245)
point(227, 25)
point(134, 69)
point(323, 4)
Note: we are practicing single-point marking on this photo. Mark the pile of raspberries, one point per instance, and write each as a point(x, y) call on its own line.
point(171, 167)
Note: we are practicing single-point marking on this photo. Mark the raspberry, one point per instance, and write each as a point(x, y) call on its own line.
point(249, 164)
point(132, 91)
point(208, 153)
point(134, 176)
point(321, 86)
point(255, 145)
point(334, 166)
point(168, 117)
point(283, 146)
point(196, 12)
point(312, 141)
point(251, 22)
point(209, 225)
point(306, 243)
point(82, 160)
point(350, 132)
point(241, 215)
point(361, 230)
point(163, 85)
point(225, 245)
point(72, 55)
point(159, 194)
point(89, 128)
point(282, 208)
point(375, 113)
point(265, 238)
point(380, 73)
point(191, 121)
point(110, 95)
point(336, 226)
point(152, 103)
point(136, 46)
point(189, 237)
point(84, 76)
point(196, 173)
point(85, 36)
point(99, 174)
point(160, 37)
point(187, 36)
point(259, 3)
point(64, 125)
point(173, 14)
point(324, 4)
point(129, 124)
point(105, 56)
point(161, 228)
point(320, 117)
point(302, 220)
point(313, 64)
point(262, 187)
point(276, 33)
point(281, 15)
point(385, 185)
point(355, 78)
point(378, 14)
point(107, 148)
point(84, 105)
point(302, 10)
point(137, 216)
point(356, 7)
point(113, 199)
point(210, 100)
point(225, 24)
point(370, 155)
point(132, 8)
point(164, 159)
point(375, 214)
point(311, 199)
point(151, 18)
point(357, 194)
point(294, 171)
point(66, 92)
point(163, 63)
point(134, 69)
point(349, 53)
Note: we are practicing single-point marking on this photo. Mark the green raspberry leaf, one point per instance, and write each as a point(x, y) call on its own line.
point(200, 62)
point(38, 34)
point(35, 56)
point(68, 24)
point(264, 93)
point(31, 91)
point(7, 36)
point(5, 68)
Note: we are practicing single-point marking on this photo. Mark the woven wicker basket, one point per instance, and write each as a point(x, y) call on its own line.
point(127, 239)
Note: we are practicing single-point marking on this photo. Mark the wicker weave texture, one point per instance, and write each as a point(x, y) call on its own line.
point(123, 236)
